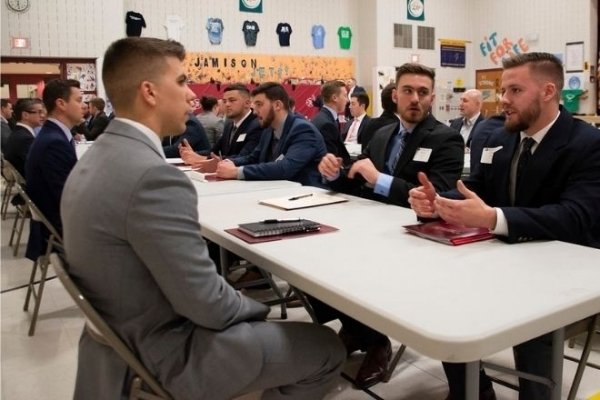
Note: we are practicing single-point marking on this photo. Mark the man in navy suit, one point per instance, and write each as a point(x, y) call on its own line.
point(352, 132)
point(194, 137)
point(540, 179)
point(51, 158)
point(335, 98)
point(28, 115)
point(290, 147)
point(470, 114)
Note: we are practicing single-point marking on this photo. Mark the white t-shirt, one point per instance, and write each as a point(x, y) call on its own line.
point(174, 25)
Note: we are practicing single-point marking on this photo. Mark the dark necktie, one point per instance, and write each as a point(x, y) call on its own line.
point(524, 158)
point(274, 143)
point(232, 135)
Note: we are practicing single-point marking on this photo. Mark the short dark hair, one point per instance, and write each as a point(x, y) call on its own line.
point(292, 102)
point(58, 89)
point(540, 64)
point(331, 88)
point(22, 105)
point(4, 102)
point(132, 60)
point(362, 98)
point(387, 98)
point(239, 87)
point(414, 68)
point(208, 103)
point(98, 103)
point(273, 91)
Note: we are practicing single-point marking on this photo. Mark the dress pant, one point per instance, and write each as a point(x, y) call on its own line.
point(533, 356)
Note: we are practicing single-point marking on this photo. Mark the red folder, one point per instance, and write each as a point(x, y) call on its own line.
point(454, 235)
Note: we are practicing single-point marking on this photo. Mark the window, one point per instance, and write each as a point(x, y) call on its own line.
point(403, 36)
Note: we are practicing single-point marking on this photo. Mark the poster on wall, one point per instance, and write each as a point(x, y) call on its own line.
point(574, 57)
point(85, 74)
point(254, 6)
point(452, 53)
point(415, 10)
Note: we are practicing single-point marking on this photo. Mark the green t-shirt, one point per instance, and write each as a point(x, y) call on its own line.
point(345, 35)
point(570, 99)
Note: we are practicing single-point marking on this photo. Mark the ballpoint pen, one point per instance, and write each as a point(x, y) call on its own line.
point(277, 221)
point(300, 197)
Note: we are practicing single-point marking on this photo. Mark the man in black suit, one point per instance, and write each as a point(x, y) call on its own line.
point(351, 88)
point(194, 137)
point(335, 98)
point(480, 135)
point(352, 132)
point(99, 120)
point(241, 132)
point(540, 179)
point(470, 114)
point(28, 116)
point(5, 119)
point(386, 172)
point(387, 117)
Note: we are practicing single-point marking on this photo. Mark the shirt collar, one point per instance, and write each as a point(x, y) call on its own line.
point(3, 119)
point(278, 132)
point(539, 135)
point(360, 117)
point(242, 120)
point(146, 131)
point(331, 111)
point(30, 129)
point(63, 127)
point(473, 119)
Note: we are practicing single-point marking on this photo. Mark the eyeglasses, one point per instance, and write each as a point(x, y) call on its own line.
point(34, 111)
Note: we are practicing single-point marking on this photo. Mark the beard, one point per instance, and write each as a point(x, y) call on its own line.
point(524, 118)
point(413, 116)
point(268, 120)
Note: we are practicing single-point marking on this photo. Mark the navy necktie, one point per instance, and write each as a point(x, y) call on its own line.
point(524, 158)
point(397, 146)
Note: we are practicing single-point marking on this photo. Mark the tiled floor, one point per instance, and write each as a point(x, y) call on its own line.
point(44, 366)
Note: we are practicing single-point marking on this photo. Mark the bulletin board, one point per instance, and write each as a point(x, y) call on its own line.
point(488, 81)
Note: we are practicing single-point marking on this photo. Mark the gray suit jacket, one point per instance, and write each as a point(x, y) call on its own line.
point(133, 241)
point(213, 126)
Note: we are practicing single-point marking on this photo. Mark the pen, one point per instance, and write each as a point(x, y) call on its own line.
point(277, 221)
point(300, 197)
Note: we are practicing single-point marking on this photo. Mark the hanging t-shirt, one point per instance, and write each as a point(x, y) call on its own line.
point(215, 28)
point(250, 29)
point(570, 99)
point(284, 30)
point(134, 23)
point(174, 25)
point(345, 35)
point(318, 36)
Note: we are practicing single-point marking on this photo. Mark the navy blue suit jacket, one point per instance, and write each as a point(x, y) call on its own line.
point(299, 151)
point(244, 140)
point(51, 158)
point(17, 148)
point(329, 128)
point(560, 193)
point(480, 134)
point(195, 135)
point(457, 124)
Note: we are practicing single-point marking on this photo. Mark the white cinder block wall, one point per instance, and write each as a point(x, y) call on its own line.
point(84, 28)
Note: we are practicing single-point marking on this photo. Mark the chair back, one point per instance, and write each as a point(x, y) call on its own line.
point(10, 173)
point(99, 329)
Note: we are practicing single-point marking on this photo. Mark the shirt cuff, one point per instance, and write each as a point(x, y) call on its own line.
point(240, 173)
point(383, 185)
point(501, 228)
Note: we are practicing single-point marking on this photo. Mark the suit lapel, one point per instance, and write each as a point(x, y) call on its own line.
point(379, 145)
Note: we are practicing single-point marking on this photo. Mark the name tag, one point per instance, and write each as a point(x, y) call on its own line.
point(241, 138)
point(280, 157)
point(422, 154)
point(488, 154)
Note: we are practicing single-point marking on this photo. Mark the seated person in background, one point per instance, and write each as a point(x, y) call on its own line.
point(27, 113)
point(81, 130)
point(290, 147)
point(139, 257)
point(542, 182)
point(194, 138)
point(99, 120)
point(352, 132)
point(335, 98)
point(51, 158)
point(479, 136)
point(387, 171)
point(241, 132)
point(387, 117)
point(6, 117)
point(470, 114)
point(213, 125)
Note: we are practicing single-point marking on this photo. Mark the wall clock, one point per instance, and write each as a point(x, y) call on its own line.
point(18, 5)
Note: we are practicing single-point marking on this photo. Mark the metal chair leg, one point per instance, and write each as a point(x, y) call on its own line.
point(14, 228)
point(30, 286)
point(20, 232)
point(583, 360)
point(38, 298)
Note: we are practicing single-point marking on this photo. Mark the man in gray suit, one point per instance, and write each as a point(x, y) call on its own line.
point(133, 241)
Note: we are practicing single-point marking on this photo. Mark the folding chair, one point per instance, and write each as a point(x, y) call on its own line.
point(587, 326)
point(22, 214)
point(9, 178)
point(102, 333)
point(54, 242)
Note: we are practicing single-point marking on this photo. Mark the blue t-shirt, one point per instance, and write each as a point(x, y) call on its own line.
point(318, 36)
point(284, 30)
point(215, 28)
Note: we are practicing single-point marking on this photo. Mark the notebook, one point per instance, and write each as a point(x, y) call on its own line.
point(272, 227)
point(443, 232)
point(303, 201)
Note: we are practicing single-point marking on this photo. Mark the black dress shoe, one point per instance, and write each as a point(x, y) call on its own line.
point(487, 394)
point(374, 366)
point(351, 342)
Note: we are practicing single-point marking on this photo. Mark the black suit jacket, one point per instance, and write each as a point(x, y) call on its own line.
point(443, 167)
point(559, 197)
point(329, 128)
point(479, 135)
point(244, 140)
point(17, 148)
point(457, 124)
point(386, 118)
point(97, 126)
point(194, 134)
point(361, 129)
